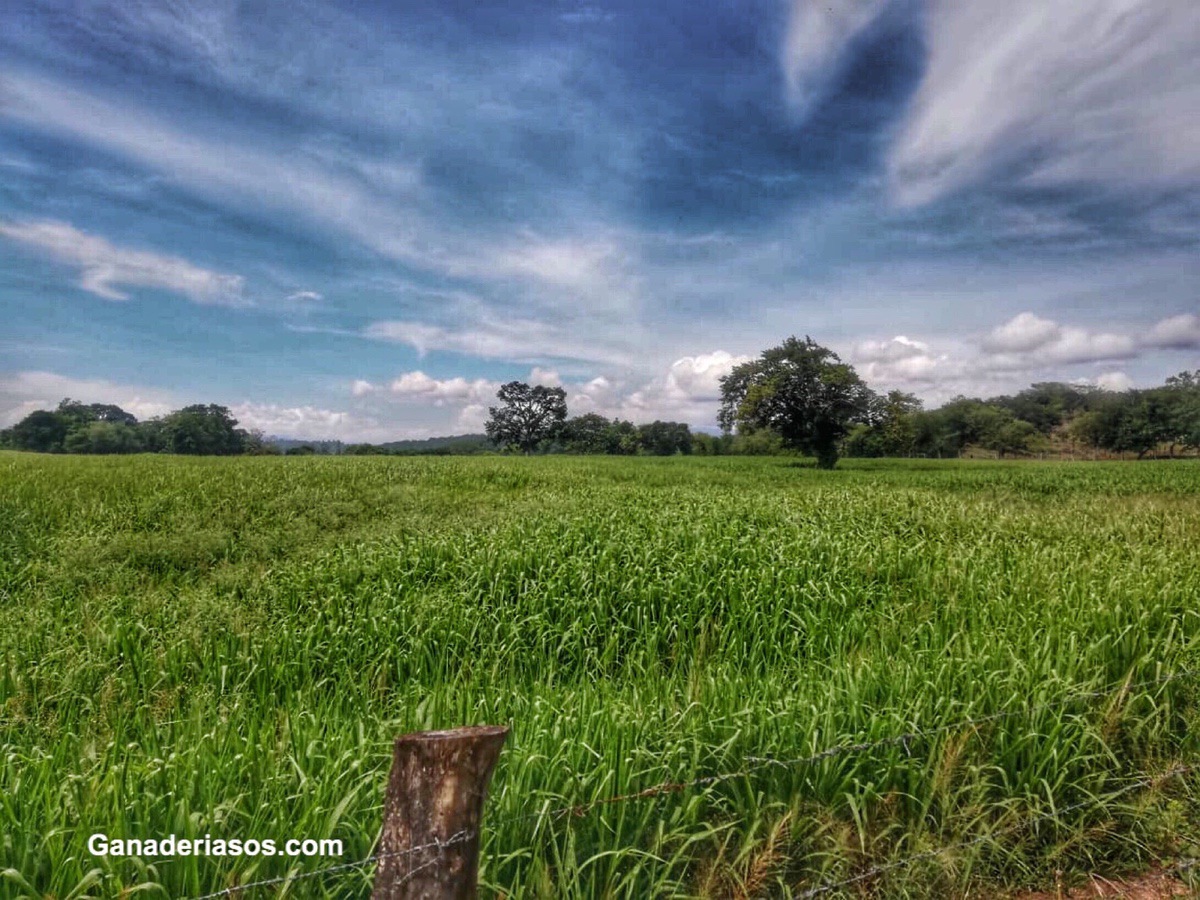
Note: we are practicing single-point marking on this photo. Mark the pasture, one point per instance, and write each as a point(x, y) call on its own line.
point(227, 646)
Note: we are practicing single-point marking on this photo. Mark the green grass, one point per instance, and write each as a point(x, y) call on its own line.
point(227, 646)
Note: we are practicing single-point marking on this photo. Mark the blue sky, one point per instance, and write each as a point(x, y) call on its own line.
point(357, 220)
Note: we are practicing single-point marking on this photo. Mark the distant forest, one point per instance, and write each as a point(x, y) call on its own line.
point(1046, 418)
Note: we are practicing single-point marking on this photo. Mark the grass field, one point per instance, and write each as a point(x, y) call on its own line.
point(227, 646)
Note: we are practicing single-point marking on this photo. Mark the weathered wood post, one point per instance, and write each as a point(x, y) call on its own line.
point(429, 848)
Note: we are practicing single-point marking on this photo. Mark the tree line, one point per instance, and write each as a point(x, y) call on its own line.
point(798, 397)
point(801, 396)
point(102, 428)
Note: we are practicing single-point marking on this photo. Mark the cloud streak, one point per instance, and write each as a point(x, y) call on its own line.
point(1098, 92)
point(104, 267)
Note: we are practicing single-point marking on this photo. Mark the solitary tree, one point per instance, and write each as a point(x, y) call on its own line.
point(801, 391)
point(529, 416)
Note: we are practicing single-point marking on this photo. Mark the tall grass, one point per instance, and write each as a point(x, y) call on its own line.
point(228, 646)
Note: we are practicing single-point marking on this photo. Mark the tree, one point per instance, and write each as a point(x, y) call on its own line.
point(1144, 423)
point(710, 445)
point(588, 433)
point(78, 413)
point(1046, 404)
point(665, 438)
point(801, 391)
point(1012, 436)
point(1182, 399)
point(1134, 421)
point(103, 437)
point(202, 430)
point(893, 428)
point(529, 416)
point(40, 431)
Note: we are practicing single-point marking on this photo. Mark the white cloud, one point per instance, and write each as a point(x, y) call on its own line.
point(294, 421)
point(1114, 381)
point(547, 377)
point(922, 368)
point(361, 388)
point(472, 418)
point(890, 351)
point(23, 392)
point(304, 297)
point(1025, 349)
point(104, 266)
point(1077, 345)
point(903, 362)
point(1021, 334)
point(597, 394)
point(564, 263)
point(1176, 333)
point(697, 379)
point(816, 40)
point(688, 391)
point(1098, 91)
point(1028, 338)
point(419, 386)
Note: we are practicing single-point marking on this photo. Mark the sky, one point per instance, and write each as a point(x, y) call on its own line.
point(356, 220)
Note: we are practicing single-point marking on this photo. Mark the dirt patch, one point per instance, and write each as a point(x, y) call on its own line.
point(1154, 885)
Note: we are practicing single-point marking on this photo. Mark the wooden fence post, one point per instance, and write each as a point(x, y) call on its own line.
point(434, 803)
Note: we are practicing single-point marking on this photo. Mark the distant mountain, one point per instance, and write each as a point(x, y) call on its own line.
point(455, 443)
point(325, 448)
point(449, 444)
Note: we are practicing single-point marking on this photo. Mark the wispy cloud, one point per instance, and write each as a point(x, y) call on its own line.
point(817, 37)
point(1076, 92)
point(514, 340)
point(226, 167)
point(104, 267)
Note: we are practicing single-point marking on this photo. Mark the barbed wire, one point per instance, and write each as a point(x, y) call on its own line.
point(456, 838)
point(757, 763)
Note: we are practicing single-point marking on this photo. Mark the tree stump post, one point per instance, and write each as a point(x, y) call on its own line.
point(429, 848)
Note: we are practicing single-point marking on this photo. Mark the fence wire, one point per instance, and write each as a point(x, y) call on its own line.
point(758, 763)
point(232, 890)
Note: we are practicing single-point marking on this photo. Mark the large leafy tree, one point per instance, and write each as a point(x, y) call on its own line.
point(104, 437)
point(586, 434)
point(665, 438)
point(528, 416)
point(207, 430)
point(40, 431)
point(1182, 399)
point(802, 392)
point(79, 414)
